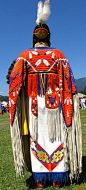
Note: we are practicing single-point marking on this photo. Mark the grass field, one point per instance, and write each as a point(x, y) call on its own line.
point(8, 178)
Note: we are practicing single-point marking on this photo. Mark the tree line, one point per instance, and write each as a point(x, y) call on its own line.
point(83, 91)
point(4, 98)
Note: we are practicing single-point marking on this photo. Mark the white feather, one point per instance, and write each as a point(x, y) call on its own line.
point(30, 56)
point(35, 53)
point(43, 13)
point(46, 62)
point(46, 13)
point(38, 62)
point(39, 12)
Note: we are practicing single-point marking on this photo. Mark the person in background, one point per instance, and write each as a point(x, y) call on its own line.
point(83, 103)
point(44, 111)
point(1, 108)
point(79, 103)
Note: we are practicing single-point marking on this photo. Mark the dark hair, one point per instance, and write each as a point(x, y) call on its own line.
point(10, 70)
point(46, 40)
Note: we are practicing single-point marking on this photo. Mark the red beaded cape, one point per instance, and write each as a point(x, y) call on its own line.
point(41, 69)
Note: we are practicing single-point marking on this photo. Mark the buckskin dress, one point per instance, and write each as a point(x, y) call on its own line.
point(44, 107)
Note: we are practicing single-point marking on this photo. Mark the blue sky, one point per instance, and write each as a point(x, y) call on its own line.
point(67, 24)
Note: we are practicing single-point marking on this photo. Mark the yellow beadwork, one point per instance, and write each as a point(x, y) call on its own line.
point(57, 156)
point(42, 156)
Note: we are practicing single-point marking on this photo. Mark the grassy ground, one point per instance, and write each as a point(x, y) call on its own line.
point(8, 178)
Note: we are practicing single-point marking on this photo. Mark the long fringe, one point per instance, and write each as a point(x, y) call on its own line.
point(34, 127)
point(73, 143)
point(53, 124)
point(64, 138)
point(17, 142)
point(77, 123)
point(71, 137)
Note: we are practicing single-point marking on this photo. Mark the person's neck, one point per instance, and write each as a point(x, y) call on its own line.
point(41, 44)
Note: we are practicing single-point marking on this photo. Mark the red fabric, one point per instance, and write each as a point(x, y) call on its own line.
point(56, 71)
point(34, 105)
point(52, 101)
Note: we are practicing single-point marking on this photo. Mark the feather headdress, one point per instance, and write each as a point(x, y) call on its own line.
point(43, 12)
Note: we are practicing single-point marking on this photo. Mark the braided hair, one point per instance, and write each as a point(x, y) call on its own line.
point(10, 70)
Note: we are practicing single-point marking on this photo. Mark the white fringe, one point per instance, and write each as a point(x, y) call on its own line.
point(53, 124)
point(64, 137)
point(77, 123)
point(71, 137)
point(34, 127)
point(75, 142)
point(17, 142)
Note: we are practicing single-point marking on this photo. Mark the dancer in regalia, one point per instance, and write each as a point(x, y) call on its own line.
point(44, 111)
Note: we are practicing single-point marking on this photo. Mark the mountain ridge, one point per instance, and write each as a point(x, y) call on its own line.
point(80, 83)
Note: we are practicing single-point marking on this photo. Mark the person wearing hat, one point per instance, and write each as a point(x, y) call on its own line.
point(44, 111)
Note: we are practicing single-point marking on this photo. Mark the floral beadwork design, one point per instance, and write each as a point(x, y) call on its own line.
point(41, 33)
point(49, 161)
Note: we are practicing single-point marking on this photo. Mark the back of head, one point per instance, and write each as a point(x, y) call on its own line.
point(41, 34)
point(41, 31)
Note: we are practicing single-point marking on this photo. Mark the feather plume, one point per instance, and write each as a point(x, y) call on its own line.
point(43, 12)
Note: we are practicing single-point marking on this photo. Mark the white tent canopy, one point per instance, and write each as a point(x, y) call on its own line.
point(4, 103)
point(81, 95)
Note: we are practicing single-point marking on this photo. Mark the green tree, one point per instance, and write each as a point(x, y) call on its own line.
point(85, 90)
point(4, 98)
